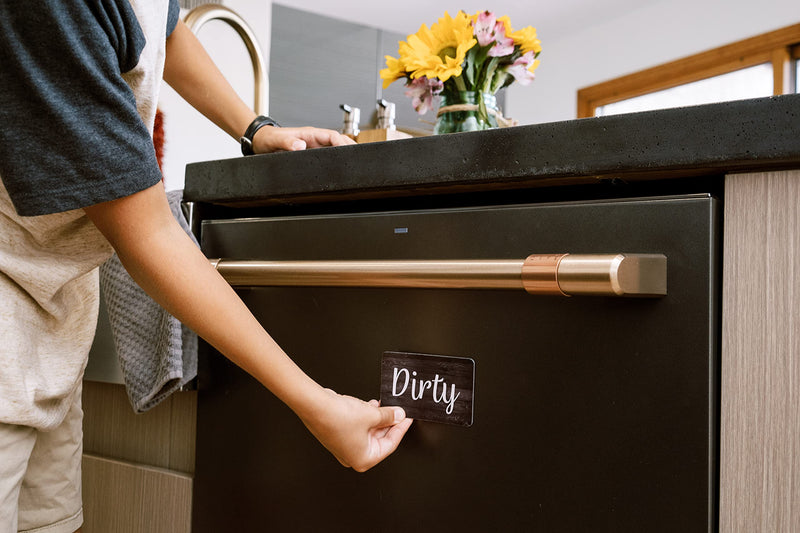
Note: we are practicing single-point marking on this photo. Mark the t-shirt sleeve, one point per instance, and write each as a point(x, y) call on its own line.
point(70, 135)
point(173, 15)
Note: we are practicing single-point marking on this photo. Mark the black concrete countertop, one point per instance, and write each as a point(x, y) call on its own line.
point(747, 135)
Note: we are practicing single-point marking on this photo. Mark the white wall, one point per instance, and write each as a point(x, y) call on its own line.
point(573, 58)
point(189, 137)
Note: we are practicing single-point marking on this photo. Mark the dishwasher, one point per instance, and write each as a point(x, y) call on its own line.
point(591, 409)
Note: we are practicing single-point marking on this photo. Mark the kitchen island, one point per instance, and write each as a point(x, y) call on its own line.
point(745, 154)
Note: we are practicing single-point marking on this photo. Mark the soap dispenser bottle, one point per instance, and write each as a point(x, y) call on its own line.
point(386, 115)
point(352, 116)
point(386, 130)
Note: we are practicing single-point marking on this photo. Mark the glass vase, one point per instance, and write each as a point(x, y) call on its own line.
point(461, 111)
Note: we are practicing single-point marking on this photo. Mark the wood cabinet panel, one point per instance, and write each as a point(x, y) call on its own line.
point(121, 497)
point(760, 404)
point(163, 437)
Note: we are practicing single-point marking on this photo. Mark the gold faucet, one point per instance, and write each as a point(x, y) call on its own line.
point(198, 16)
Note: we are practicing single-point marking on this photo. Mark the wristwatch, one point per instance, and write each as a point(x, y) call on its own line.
point(247, 139)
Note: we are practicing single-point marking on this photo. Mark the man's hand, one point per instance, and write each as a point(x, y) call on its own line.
point(359, 434)
point(270, 139)
point(192, 73)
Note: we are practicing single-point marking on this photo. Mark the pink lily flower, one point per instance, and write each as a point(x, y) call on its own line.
point(421, 91)
point(485, 28)
point(503, 45)
point(520, 68)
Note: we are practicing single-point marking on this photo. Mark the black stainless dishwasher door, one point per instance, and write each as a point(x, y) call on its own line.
point(591, 413)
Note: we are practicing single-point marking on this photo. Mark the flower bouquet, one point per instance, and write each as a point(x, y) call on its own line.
point(465, 60)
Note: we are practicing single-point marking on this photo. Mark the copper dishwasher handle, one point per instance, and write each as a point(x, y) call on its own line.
point(619, 274)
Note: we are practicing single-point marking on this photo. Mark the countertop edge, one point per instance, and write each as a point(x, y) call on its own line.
point(758, 134)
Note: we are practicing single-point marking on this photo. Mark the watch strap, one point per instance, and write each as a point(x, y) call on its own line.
point(259, 122)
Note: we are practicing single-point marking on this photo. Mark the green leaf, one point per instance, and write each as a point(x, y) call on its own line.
point(500, 81)
point(489, 75)
point(481, 53)
point(469, 72)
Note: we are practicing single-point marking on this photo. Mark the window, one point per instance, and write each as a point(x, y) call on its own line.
point(760, 66)
point(797, 76)
point(751, 82)
point(796, 56)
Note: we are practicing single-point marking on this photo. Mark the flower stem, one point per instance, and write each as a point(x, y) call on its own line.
point(499, 80)
point(487, 87)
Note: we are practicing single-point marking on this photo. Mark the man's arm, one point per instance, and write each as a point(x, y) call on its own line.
point(192, 73)
point(162, 259)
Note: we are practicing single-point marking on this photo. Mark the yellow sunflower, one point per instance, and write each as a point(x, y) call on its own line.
point(438, 52)
point(395, 69)
point(526, 40)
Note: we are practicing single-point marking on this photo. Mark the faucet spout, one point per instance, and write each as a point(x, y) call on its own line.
point(198, 16)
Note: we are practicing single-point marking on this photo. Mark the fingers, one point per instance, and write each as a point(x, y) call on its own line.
point(316, 138)
point(395, 434)
point(389, 426)
point(359, 434)
point(386, 443)
point(296, 144)
point(341, 140)
point(285, 140)
point(294, 139)
point(388, 416)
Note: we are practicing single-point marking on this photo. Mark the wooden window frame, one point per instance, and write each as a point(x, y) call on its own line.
point(778, 47)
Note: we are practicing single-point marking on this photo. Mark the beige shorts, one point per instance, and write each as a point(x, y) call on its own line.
point(40, 476)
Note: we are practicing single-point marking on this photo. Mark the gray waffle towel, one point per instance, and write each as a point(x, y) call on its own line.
point(157, 354)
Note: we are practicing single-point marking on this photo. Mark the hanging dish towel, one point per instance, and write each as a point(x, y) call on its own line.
point(157, 354)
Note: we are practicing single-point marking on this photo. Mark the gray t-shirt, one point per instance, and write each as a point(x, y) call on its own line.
point(79, 84)
point(70, 134)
